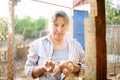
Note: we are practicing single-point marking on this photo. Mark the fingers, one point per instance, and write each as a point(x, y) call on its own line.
point(52, 66)
point(56, 71)
point(49, 66)
point(64, 63)
point(67, 66)
point(68, 69)
point(66, 72)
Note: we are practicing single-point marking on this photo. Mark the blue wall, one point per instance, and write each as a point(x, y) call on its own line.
point(78, 26)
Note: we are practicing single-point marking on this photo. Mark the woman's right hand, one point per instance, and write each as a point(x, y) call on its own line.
point(49, 66)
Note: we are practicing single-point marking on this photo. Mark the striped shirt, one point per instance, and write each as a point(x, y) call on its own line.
point(42, 50)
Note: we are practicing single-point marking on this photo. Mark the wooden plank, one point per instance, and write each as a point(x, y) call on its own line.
point(101, 41)
point(90, 49)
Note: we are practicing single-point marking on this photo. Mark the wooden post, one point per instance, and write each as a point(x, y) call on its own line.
point(10, 40)
point(95, 42)
point(101, 41)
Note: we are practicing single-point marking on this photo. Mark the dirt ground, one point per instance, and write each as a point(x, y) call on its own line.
point(19, 73)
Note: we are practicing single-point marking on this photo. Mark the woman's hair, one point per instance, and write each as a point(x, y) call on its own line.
point(59, 14)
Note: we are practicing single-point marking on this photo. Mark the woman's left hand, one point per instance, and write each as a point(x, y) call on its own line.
point(67, 67)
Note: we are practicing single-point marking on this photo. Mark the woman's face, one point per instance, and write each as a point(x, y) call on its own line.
point(59, 28)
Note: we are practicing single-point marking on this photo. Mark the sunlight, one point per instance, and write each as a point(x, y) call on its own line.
point(35, 9)
point(3, 8)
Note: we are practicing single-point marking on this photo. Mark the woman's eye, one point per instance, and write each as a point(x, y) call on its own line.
point(55, 25)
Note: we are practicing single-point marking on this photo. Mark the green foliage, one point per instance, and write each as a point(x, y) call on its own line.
point(28, 27)
point(3, 29)
point(112, 12)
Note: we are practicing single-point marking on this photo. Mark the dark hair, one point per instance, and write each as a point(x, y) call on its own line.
point(59, 14)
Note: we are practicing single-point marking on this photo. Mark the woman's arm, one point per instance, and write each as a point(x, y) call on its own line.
point(38, 71)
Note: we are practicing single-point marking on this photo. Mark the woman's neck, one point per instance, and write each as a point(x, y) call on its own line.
point(58, 41)
point(59, 44)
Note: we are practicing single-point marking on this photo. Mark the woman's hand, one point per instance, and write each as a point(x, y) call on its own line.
point(57, 70)
point(49, 66)
point(67, 67)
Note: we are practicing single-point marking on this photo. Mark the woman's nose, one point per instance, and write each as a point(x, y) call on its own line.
point(59, 29)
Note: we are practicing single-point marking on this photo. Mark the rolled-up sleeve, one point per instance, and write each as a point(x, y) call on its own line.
point(82, 65)
point(31, 62)
point(81, 58)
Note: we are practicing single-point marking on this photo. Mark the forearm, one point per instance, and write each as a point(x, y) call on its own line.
point(38, 71)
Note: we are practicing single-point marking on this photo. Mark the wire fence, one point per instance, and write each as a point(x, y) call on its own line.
point(113, 51)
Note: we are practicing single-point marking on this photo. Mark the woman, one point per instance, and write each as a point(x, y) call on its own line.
point(56, 55)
